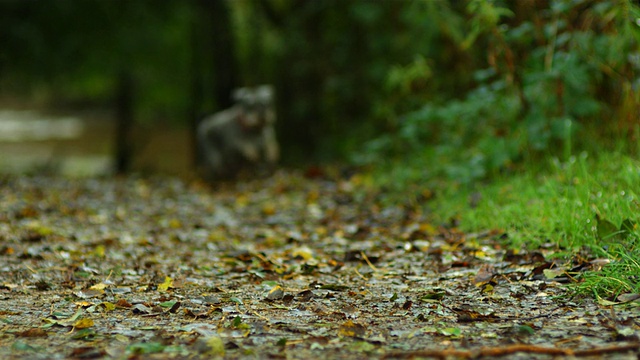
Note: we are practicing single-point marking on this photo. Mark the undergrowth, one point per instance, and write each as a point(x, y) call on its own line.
point(528, 145)
point(587, 202)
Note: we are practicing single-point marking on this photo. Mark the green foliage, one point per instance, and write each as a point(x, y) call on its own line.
point(584, 203)
point(551, 84)
point(618, 277)
point(73, 52)
point(486, 17)
point(481, 84)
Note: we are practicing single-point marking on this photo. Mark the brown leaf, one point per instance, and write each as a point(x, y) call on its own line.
point(484, 275)
point(35, 332)
point(175, 307)
point(199, 315)
point(305, 296)
point(123, 303)
point(87, 352)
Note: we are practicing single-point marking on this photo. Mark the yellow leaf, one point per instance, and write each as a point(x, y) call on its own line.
point(39, 228)
point(268, 209)
point(351, 329)
point(303, 252)
point(214, 346)
point(553, 273)
point(487, 288)
point(313, 196)
point(108, 306)
point(83, 324)
point(168, 282)
point(428, 229)
point(321, 230)
point(175, 224)
point(242, 200)
point(99, 251)
point(99, 286)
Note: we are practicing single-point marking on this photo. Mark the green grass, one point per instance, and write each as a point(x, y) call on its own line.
point(558, 203)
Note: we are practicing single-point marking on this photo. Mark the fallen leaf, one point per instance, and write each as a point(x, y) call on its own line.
point(276, 293)
point(551, 274)
point(303, 252)
point(22, 346)
point(34, 332)
point(123, 303)
point(99, 286)
point(84, 334)
point(168, 283)
point(623, 298)
point(145, 348)
point(484, 275)
point(211, 346)
point(87, 352)
point(334, 287)
point(83, 323)
point(141, 309)
point(89, 293)
point(450, 331)
point(63, 322)
point(108, 306)
point(351, 329)
point(598, 264)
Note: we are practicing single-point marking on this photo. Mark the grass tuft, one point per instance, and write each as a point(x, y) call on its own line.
point(586, 202)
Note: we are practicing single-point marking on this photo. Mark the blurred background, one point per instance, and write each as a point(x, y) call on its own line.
point(462, 88)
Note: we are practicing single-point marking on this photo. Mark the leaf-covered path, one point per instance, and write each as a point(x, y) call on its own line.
point(287, 267)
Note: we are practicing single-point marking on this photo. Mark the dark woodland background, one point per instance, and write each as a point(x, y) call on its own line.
point(481, 86)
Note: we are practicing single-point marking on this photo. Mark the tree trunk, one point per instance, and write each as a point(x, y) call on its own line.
point(195, 112)
point(225, 67)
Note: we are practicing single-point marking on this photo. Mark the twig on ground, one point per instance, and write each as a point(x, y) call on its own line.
point(510, 350)
point(364, 256)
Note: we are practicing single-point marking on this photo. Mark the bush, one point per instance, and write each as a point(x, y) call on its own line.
point(555, 77)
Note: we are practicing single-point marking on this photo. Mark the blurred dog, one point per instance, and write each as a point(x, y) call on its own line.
point(241, 138)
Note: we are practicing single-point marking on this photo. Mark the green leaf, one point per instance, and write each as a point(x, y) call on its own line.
point(167, 304)
point(63, 322)
point(236, 300)
point(23, 346)
point(450, 331)
point(433, 295)
point(237, 321)
point(362, 346)
point(84, 334)
point(525, 330)
point(145, 348)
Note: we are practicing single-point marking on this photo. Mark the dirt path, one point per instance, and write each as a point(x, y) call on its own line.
point(287, 267)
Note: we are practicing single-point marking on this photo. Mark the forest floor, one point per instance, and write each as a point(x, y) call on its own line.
point(285, 267)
